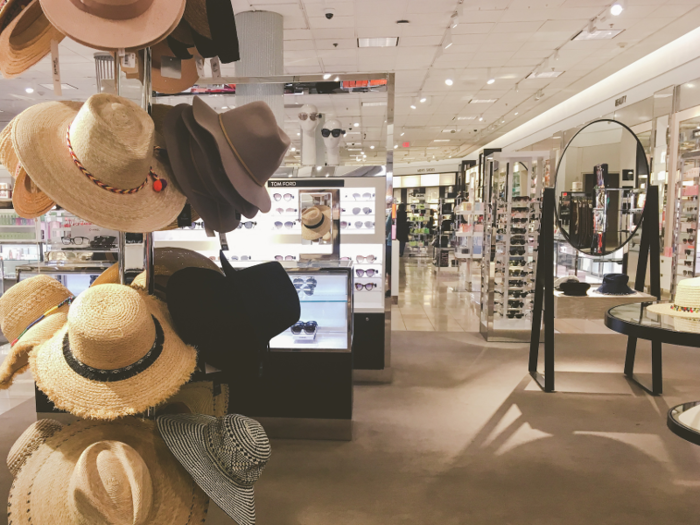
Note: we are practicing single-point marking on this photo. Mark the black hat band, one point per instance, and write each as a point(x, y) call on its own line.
point(314, 226)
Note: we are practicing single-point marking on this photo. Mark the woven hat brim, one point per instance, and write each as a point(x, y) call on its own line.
point(39, 139)
point(19, 52)
point(109, 400)
point(46, 475)
point(26, 204)
point(186, 438)
point(17, 359)
point(666, 309)
point(315, 234)
point(100, 33)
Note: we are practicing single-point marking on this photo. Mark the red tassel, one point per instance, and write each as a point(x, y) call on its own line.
point(158, 185)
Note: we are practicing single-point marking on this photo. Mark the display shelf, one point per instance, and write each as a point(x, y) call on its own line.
point(325, 340)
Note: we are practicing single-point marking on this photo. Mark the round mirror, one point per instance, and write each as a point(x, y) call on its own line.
point(600, 187)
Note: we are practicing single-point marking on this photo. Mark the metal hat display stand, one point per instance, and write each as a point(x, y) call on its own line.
point(544, 287)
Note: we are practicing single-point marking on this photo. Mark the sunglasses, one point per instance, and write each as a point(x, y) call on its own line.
point(688, 272)
point(368, 273)
point(521, 198)
point(288, 210)
point(688, 263)
point(518, 242)
point(692, 208)
point(279, 196)
point(335, 132)
point(298, 282)
point(308, 328)
point(689, 230)
point(518, 273)
point(365, 286)
point(516, 304)
point(289, 224)
point(78, 241)
point(366, 259)
point(689, 240)
point(247, 225)
point(512, 315)
point(517, 251)
point(285, 258)
point(310, 116)
point(365, 196)
point(366, 211)
point(688, 252)
point(517, 283)
point(243, 258)
point(519, 219)
point(517, 231)
point(519, 294)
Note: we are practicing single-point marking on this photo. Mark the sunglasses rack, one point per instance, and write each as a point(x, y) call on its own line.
point(684, 261)
point(422, 224)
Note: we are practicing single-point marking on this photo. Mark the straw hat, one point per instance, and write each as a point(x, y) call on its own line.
point(102, 474)
point(686, 303)
point(113, 139)
point(199, 398)
point(117, 355)
point(251, 146)
point(25, 36)
point(225, 457)
point(20, 307)
point(315, 222)
point(115, 24)
point(167, 85)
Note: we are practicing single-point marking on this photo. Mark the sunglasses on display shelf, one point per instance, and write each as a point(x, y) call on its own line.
point(247, 225)
point(519, 219)
point(298, 282)
point(288, 225)
point(285, 258)
point(281, 211)
point(196, 225)
point(520, 198)
point(278, 196)
point(518, 273)
point(78, 241)
point(365, 259)
point(368, 273)
point(365, 286)
point(335, 132)
point(310, 116)
point(688, 240)
point(519, 294)
point(512, 315)
point(517, 283)
point(243, 258)
point(688, 263)
point(518, 231)
point(366, 211)
point(688, 252)
point(308, 328)
point(518, 242)
point(365, 196)
point(689, 230)
point(688, 273)
point(517, 251)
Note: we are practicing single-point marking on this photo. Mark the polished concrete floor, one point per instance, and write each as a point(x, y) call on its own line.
point(463, 436)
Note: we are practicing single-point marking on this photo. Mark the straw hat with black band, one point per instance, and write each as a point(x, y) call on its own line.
point(99, 161)
point(251, 146)
point(115, 24)
point(25, 36)
point(315, 222)
point(217, 213)
point(31, 312)
point(101, 473)
point(117, 355)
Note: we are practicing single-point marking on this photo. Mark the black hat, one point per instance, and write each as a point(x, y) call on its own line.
point(574, 288)
point(231, 319)
point(615, 284)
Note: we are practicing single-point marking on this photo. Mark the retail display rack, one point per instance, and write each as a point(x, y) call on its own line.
point(684, 261)
point(511, 240)
point(422, 217)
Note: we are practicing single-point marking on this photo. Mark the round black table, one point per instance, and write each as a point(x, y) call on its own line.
point(636, 322)
point(684, 421)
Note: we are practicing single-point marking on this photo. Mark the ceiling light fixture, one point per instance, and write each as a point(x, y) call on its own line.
point(516, 113)
point(391, 41)
point(481, 119)
point(336, 79)
point(543, 74)
point(491, 81)
point(29, 90)
point(539, 94)
point(356, 124)
point(423, 100)
point(318, 168)
point(294, 149)
point(598, 34)
point(402, 134)
point(454, 20)
point(371, 104)
point(470, 117)
point(447, 41)
point(326, 76)
point(396, 146)
point(449, 81)
point(517, 87)
point(617, 8)
point(441, 140)
point(413, 106)
point(482, 101)
point(371, 147)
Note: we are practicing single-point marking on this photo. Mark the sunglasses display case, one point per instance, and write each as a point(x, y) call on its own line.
point(684, 261)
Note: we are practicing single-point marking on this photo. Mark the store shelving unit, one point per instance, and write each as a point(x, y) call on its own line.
point(684, 262)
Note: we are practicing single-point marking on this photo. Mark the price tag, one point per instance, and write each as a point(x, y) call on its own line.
point(128, 60)
point(199, 62)
point(215, 68)
point(121, 51)
point(223, 241)
point(56, 68)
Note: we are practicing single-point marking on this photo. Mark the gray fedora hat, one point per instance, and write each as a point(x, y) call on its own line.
point(215, 178)
point(186, 161)
point(225, 457)
point(251, 146)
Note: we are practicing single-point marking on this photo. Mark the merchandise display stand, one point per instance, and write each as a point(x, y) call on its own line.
point(684, 262)
point(469, 240)
point(544, 284)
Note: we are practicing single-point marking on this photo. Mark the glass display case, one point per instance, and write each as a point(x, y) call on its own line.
point(77, 277)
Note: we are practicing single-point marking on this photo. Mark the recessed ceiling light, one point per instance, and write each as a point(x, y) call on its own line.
point(318, 168)
point(449, 81)
point(402, 134)
point(354, 149)
point(482, 101)
point(598, 34)
point(391, 41)
point(396, 146)
point(224, 107)
point(371, 147)
point(326, 76)
point(441, 140)
point(336, 79)
point(29, 90)
point(516, 113)
point(298, 134)
point(294, 149)
point(491, 81)
point(503, 121)
point(481, 119)
point(616, 8)
point(356, 124)
point(423, 100)
point(544, 74)
point(413, 106)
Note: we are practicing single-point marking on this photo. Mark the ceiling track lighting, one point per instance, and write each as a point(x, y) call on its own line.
point(591, 25)
point(447, 41)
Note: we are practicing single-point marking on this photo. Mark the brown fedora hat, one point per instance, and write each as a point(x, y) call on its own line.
point(171, 86)
point(187, 160)
point(25, 36)
point(251, 146)
point(115, 24)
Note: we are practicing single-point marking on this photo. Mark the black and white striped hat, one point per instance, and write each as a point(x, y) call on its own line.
point(225, 457)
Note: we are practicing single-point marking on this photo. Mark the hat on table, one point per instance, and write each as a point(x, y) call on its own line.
point(99, 162)
point(115, 24)
point(251, 146)
point(27, 199)
point(574, 288)
point(101, 473)
point(225, 457)
point(566, 278)
point(117, 355)
point(231, 318)
point(31, 312)
point(315, 222)
point(686, 302)
point(25, 36)
point(615, 284)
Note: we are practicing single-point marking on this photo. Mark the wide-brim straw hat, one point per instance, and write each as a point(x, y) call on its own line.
point(23, 304)
point(113, 139)
point(165, 84)
point(685, 304)
point(315, 222)
point(26, 39)
point(115, 24)
point(224, 456)
point(117, 355)
point(100, 473)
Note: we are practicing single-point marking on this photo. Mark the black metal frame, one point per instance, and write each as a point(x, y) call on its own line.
point(544, 291)
point(678, 428)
